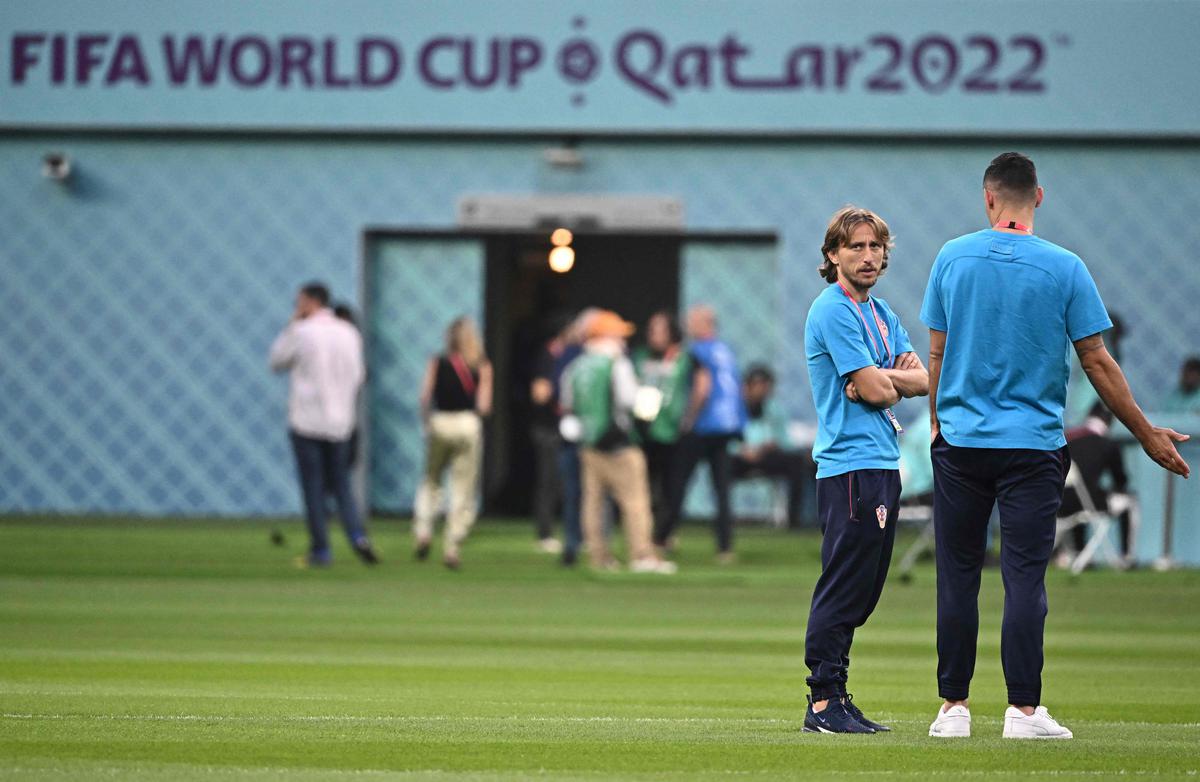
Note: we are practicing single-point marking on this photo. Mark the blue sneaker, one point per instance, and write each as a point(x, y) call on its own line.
point(856, 713)
point(834, 719)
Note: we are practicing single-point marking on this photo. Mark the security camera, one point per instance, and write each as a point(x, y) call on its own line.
point(56, 166)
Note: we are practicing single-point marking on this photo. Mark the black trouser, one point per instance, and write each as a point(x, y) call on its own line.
point(547, 485)
point(857, 511)
point(967, 482)
point(660, 459)
point(796, 467)
point(713, 448)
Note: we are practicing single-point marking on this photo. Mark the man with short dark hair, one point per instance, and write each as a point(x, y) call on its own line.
point(324, 357)
point(1003, 306)
point(765, 449)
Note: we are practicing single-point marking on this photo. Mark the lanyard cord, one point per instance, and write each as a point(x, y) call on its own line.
point(1013, 225)
point(464, 375)
point(878, 324)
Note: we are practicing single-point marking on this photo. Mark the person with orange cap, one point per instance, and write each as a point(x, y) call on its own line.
point(598, 390)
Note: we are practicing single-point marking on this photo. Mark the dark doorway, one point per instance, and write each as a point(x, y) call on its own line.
point(633, 274)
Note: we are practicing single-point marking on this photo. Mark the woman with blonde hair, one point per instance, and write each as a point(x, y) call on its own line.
point(456, 394)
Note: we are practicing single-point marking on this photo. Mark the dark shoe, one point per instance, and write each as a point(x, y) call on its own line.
point(569, 557)
point(834, 719)
point(452, 561)
point(364, 551)
point(857, 714)
point(421, 552)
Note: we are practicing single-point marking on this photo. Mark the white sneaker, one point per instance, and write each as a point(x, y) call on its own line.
point(952, 723)
point(1039, 725)
point(653, 565)
point(549, 546)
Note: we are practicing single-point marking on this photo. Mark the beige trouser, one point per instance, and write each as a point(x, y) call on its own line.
point(621, 473)
point(454, 441)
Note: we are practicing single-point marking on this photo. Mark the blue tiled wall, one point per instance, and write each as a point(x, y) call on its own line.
point(138, 303)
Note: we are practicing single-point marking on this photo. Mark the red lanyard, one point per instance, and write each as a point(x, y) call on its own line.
point(464, 376)
point(1013, 225)
point(878, 323)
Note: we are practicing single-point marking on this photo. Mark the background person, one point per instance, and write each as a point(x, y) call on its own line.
point(1186, 398)
point(346, 314)
point(766, 447)
point(456, 394)
point(714, 417)
point(544, 434)
point(599, 387)
point(568, 449)
point(324, 358)
point(663, 366)
point(1003, 306)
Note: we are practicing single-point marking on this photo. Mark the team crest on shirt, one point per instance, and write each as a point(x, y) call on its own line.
point(881, 516)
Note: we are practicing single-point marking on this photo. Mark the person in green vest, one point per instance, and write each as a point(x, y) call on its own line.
point(662, 368)
point(599, 389)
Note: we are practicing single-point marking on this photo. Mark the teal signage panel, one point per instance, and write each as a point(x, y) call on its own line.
point(1073, 67)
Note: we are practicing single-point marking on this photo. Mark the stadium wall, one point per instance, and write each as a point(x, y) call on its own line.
point(141, 297)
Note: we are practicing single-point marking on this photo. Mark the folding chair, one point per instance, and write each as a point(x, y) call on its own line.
point(915, 514)
point(1099, 523)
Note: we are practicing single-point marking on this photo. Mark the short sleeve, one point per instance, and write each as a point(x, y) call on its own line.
point(1086, 314)
point(843, 339)
point(933, 309)
point(903, 341)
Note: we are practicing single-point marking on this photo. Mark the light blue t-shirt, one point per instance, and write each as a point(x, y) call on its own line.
point(1011, 305)
point(724, 412)
point(850, 435)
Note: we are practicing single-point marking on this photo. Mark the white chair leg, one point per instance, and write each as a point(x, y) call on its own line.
point(1099, 539)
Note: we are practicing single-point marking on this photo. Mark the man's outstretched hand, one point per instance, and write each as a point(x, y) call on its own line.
point(1159, 445)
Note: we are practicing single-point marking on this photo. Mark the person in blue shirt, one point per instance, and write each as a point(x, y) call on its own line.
point(714, 417)
point(1004, 308)
point(860, 363)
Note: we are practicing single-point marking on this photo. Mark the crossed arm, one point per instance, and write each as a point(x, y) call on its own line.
point(885, 387)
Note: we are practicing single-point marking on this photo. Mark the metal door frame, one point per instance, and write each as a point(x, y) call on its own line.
point(372, 233)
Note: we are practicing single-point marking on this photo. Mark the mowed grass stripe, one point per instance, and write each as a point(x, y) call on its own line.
point(195, 650)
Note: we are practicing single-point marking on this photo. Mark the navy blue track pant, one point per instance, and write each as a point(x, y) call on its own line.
point(324, 467)
point(967, 482)
point(857, 511)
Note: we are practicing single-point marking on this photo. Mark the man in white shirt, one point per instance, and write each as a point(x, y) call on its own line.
point(324, 356)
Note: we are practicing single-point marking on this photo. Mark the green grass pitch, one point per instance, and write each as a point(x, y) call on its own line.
point(195, 650)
